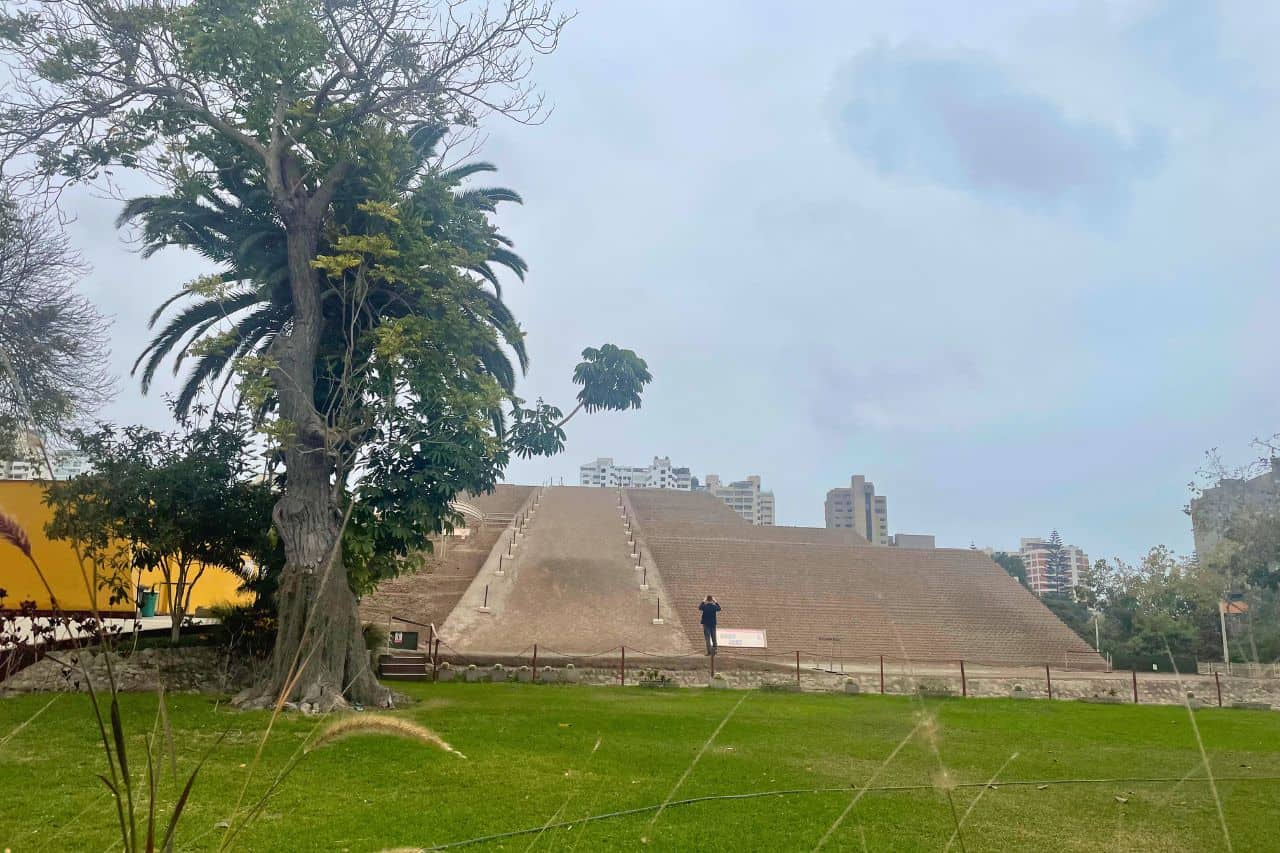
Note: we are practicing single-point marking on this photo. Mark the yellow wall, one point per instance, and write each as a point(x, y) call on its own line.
point(24, 500)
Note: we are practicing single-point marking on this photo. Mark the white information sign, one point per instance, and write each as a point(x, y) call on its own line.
point(741, 638)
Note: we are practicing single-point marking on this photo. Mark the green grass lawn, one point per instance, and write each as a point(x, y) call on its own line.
point(531, 754)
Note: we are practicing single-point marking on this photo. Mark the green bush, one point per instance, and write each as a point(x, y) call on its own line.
point(375, 636)
point(249, 631)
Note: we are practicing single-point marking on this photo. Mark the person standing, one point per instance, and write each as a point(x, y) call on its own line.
point(709, 609)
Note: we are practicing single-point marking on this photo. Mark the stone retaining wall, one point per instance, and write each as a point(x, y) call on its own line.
point(204, 669)
point(1113, 687)
point(199, 669)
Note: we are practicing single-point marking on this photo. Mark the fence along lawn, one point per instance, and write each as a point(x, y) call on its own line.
point(532, 756)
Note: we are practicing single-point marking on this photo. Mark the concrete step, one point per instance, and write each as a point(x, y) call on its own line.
point(405, 676)
point(406, 659)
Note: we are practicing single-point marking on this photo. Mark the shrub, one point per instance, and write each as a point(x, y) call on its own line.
point(250, 631)
point(375, 636)
point(654, 678)
point(780, 687)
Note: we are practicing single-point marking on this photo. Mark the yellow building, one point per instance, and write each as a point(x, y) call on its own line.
point(24, 500)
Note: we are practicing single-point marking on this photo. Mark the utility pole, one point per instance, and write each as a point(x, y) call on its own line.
point(1222, 620)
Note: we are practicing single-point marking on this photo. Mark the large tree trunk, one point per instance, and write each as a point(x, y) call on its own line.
point(320, 660)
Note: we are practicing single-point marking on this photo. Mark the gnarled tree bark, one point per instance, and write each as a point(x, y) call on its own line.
point(320, 660)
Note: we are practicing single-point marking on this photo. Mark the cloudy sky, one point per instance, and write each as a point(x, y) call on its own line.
point(1017, 267)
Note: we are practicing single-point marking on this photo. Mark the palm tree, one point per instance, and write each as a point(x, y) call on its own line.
point(237, 313)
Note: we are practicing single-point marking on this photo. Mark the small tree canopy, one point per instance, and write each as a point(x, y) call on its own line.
point(179, 503)
point(612, 379)
point(1012, 564)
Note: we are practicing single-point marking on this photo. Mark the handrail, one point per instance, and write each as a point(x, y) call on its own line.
point(409, 621)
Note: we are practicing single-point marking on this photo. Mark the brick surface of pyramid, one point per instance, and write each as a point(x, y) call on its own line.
point(802, 585)
point(582, 571)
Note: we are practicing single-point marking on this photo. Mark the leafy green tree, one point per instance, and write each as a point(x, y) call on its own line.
point(179, 504)
point(415, 375)
point(1012, 564)
point(229, 319)
point(611, 379)
point(1165, 605)
point(312, 101)
point(1075, 615)
point(1250, 551)
point(1090, 590)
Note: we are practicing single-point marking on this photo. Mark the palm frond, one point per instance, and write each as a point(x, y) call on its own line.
point(487, 199)
point(460, 173)
point(195, 318)
point(510, 260)
point(485, 271)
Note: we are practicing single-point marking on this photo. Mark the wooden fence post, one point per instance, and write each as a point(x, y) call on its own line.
point(535, 661)
point(881, 675)
point(1218, 682)
point(622, 669)
point(1135, 686)
point(797, 668)
point(964, 685)
point(1048, 680)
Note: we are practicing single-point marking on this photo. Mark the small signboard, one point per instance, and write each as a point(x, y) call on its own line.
point(404, 640)
point(741, 638)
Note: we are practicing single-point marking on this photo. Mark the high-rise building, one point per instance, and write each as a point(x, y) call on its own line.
point(745, 498)
point(1035, 554)
point(859, 508)
point(659, 475)
point(1232, 499)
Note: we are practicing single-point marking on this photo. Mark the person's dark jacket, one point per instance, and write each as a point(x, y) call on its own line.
point(709, 610)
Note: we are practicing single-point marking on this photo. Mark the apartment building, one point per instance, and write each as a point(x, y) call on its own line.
point(859, 508)
point(744, 497)
point(1035, 553)
point(29, 462)
point(659, 475)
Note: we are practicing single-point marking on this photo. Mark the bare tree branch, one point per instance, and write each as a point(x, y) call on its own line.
point(53, 338)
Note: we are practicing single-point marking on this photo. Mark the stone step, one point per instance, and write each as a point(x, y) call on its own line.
point(406, 659)
point(405, 676)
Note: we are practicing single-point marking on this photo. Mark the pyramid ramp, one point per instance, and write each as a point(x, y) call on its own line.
point(569, 585)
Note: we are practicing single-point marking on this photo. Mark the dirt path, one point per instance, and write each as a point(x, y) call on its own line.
point(573, 589)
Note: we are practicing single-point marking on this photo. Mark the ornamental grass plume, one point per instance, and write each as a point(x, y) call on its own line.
point(379, 724)
point(13, 532)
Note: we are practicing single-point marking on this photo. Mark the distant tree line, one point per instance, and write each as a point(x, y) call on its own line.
point(1164, 611)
